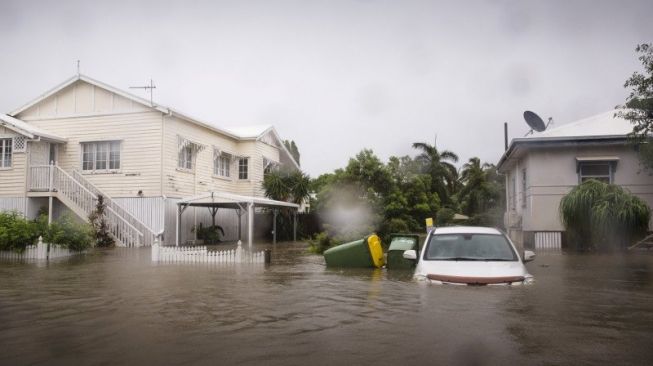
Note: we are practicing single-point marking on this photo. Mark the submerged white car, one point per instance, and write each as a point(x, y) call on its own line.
point(468, 255)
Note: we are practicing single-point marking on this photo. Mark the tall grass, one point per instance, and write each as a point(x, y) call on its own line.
point(597, 215)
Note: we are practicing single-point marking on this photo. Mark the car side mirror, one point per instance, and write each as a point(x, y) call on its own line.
point(410, 254)
point(529, 256)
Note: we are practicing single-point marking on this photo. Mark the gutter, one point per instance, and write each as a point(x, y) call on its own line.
point(559, 141)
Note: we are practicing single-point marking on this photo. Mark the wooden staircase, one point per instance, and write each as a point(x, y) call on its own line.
point(80, 196)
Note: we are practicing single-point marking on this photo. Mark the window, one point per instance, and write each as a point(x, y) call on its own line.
point(523, 188)
point(103, 155)
point(269, 166)
point(601, 171)
point(186, 157)
point(221, 163)
point(511, 193)
point(243, 168)
point(5, 153)
point(469, 247)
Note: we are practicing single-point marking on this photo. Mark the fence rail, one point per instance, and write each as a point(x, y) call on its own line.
point(200, 254)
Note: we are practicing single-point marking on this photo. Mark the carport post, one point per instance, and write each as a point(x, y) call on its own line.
point(250, 223)
point(240, 223)
point(178, 236)
point(274, 225)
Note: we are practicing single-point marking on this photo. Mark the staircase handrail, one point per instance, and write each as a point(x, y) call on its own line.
point(83, 181)
point(95, 197)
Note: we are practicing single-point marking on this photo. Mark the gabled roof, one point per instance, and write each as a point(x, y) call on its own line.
point(602, 128)
point(27, 129)
point(238, 133)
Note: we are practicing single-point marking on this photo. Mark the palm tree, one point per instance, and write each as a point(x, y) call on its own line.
point(284, 186)
point(438, 164)
point(475, 191)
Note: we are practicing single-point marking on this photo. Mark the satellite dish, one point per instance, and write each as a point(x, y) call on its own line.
point(534, 121)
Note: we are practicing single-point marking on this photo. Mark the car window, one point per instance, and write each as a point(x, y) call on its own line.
point(482, 247)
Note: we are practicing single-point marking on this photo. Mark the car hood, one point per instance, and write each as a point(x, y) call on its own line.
point(473, 272)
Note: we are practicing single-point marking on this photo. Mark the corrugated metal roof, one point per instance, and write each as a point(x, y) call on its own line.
point(27, 129)
point(604, 124)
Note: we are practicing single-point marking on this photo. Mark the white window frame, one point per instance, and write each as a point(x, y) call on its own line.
point(269, 165)
point(240, 168)
point(94, 145)
point(4, 143)
point(221, 164)
point(185, 158)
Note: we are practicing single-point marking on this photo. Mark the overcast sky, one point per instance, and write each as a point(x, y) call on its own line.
point(339, 76)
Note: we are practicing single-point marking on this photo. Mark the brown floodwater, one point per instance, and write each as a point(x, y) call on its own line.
point(116, 307)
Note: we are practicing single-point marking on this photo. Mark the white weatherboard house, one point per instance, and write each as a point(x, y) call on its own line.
point(85, 138)
point(541, 168)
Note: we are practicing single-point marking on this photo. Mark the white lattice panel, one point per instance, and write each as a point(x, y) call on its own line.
point(20, 144)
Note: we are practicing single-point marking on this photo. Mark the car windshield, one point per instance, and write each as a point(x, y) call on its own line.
point(470, 247)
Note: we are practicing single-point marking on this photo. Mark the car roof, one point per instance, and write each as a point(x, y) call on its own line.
point(466, 230)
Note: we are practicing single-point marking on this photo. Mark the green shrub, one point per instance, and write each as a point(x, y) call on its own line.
point(322, 242)
point(210, 234)
point(597, 215)
point(16, 232)
point(69, 233)
point(444, 216)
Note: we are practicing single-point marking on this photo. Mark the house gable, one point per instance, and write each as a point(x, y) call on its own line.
point(80, 96)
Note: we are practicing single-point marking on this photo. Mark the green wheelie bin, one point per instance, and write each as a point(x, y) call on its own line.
point(398, 244)
point(364, 253)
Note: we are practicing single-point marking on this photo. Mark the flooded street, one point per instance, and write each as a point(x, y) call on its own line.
point(116, 307)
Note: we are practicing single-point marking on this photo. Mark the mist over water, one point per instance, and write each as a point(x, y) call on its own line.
point(116, 307)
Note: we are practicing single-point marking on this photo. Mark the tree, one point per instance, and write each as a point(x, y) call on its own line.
point(291, 186)
point(98, 220)
point(438, 164)
point(638, 108)
point(598, 215)
point(292, 148)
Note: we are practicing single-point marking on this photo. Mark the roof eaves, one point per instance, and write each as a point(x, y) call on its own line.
point(522, 141)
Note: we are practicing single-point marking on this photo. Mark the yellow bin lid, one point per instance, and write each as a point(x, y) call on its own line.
point(376, 250)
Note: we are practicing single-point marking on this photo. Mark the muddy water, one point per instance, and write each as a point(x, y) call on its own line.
point(116, 307)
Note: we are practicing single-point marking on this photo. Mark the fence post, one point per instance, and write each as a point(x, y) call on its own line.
point(155, 250)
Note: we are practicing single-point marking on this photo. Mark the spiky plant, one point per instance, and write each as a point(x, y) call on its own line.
point(597, 215)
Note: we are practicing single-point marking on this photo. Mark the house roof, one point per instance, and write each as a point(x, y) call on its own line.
point(237, 133)
point(224, 199)
point(27, 129)
point(602, 128)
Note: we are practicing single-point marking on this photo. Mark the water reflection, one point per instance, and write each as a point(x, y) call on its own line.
point(117, 307)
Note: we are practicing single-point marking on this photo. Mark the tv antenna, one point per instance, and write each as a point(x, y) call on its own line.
point(535, 122)
point(151, 87)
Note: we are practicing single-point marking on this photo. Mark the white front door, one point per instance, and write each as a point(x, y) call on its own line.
point(39, 153)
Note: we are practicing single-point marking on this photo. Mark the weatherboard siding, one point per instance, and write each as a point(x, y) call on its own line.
point(140, 136)
point(12, 180)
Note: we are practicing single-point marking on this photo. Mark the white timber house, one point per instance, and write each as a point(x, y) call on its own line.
point(84, 138)
point(543, 167)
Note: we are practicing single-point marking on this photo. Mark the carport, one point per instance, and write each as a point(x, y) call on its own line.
point(242, 204)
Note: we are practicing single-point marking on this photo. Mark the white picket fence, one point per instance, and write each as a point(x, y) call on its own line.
point(200, 254)
point(548, 240)
point(39, 252)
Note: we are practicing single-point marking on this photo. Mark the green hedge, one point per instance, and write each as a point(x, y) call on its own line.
point(17, 232)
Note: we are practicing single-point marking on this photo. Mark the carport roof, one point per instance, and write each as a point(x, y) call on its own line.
point(230, 200)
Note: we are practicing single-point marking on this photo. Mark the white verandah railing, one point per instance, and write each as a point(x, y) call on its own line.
point(72, 191)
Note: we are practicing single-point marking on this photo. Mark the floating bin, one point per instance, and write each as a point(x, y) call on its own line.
point(364, 253)
point(399, 244)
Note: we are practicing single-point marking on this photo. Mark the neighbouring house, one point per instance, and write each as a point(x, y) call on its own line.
point(85, 138)
point(543, 167)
